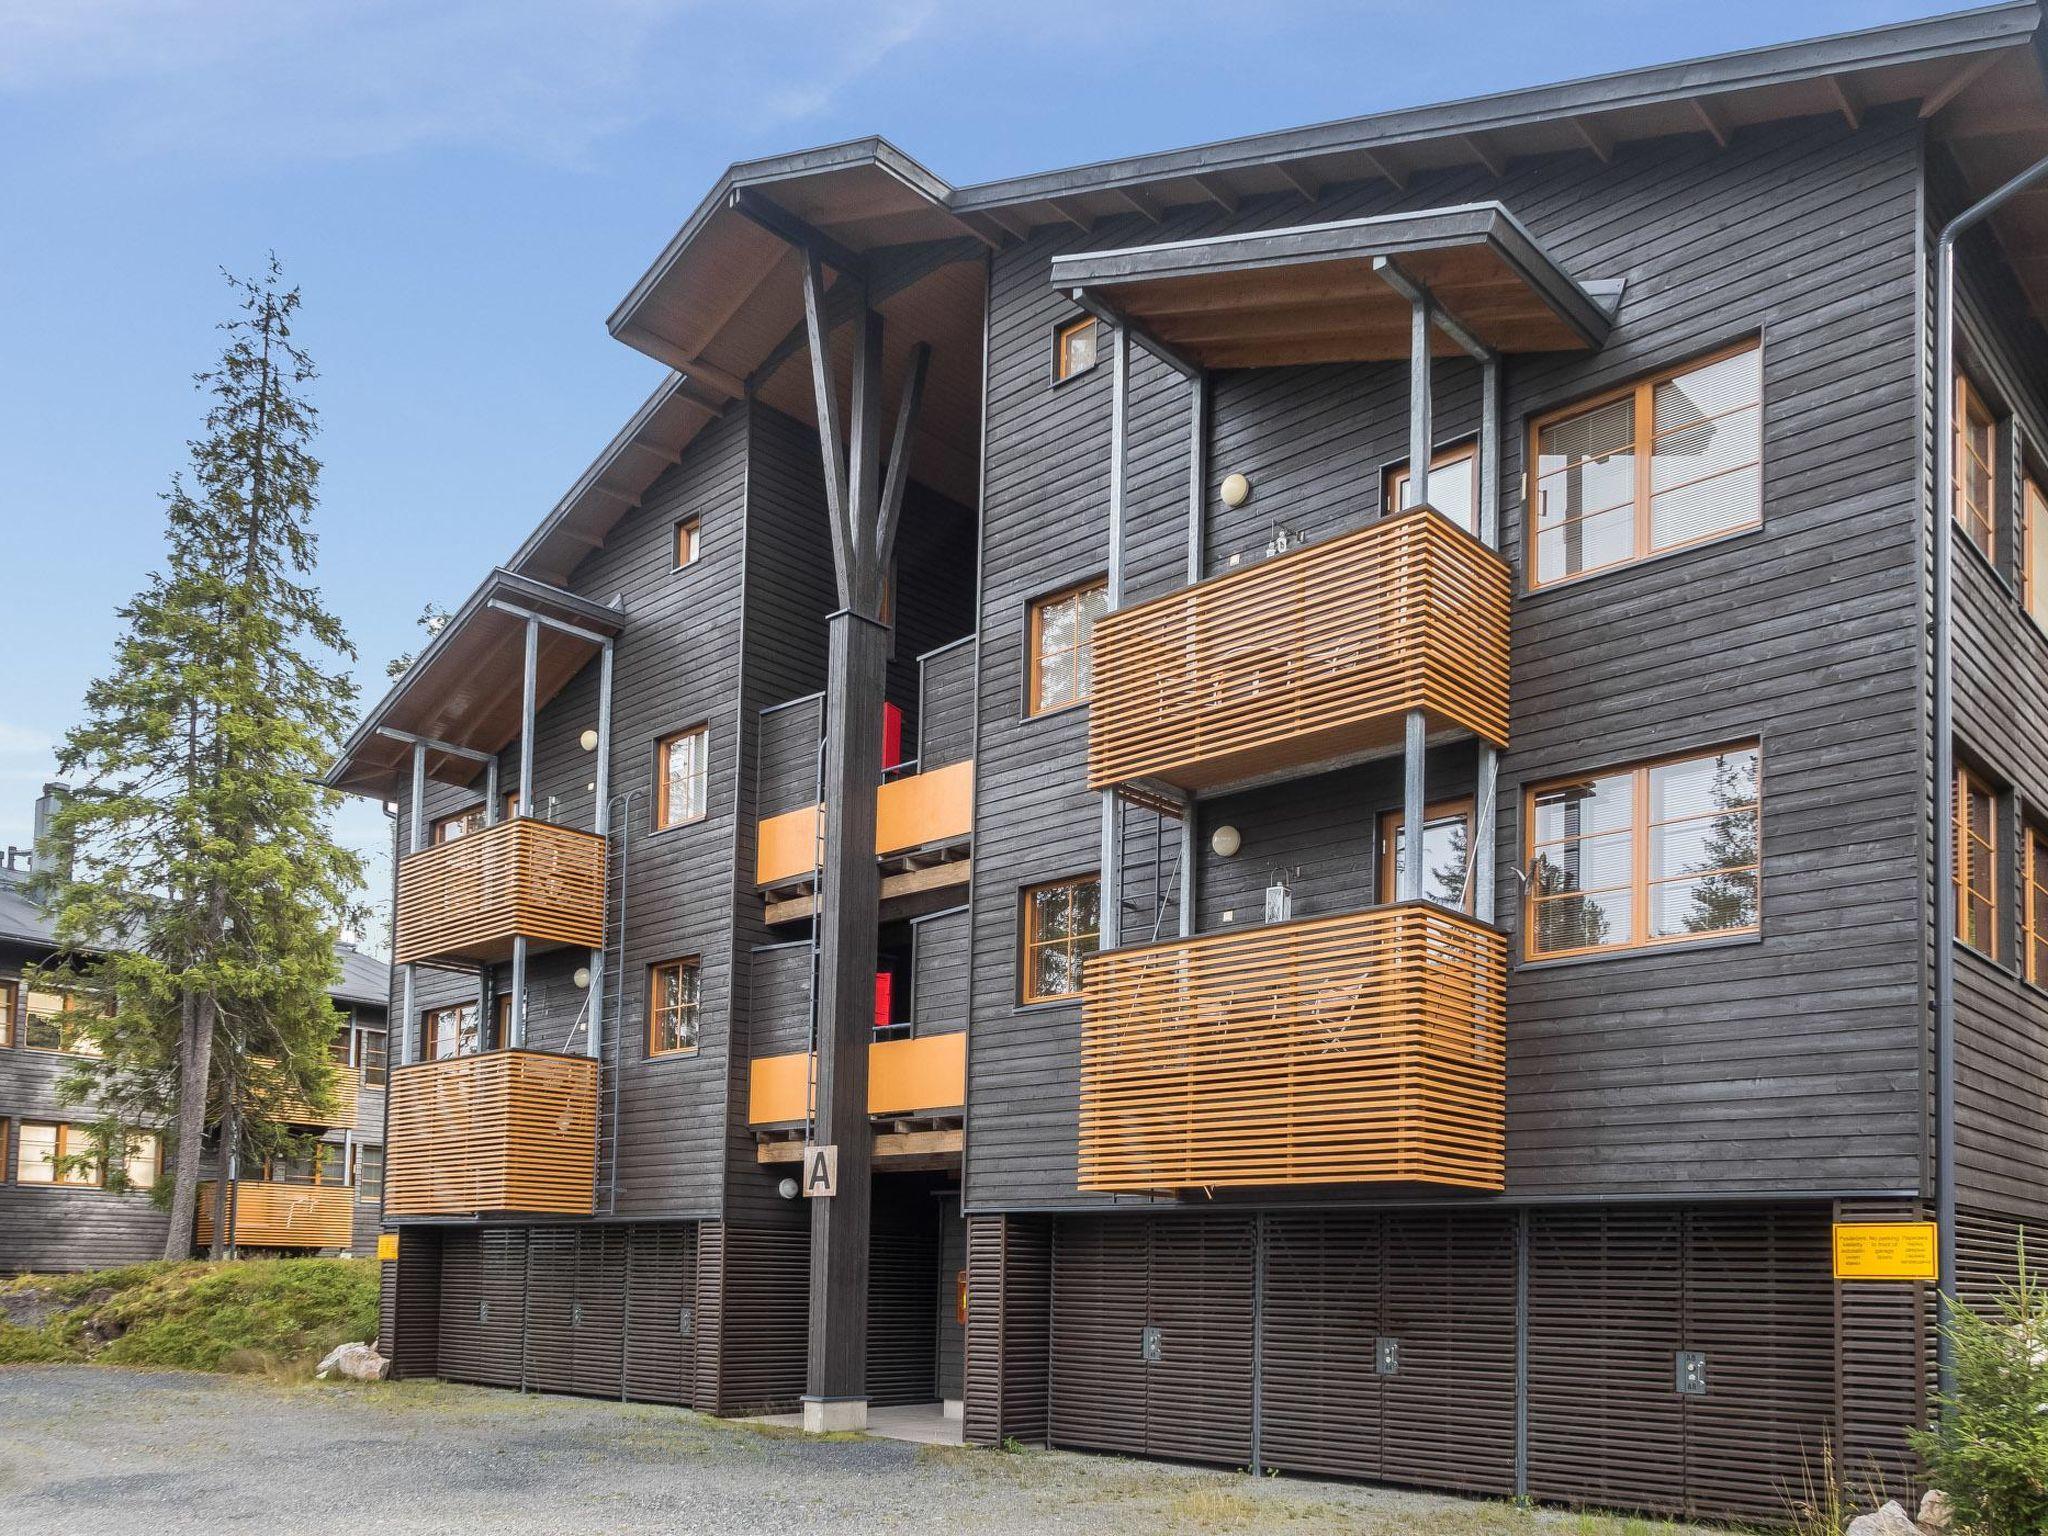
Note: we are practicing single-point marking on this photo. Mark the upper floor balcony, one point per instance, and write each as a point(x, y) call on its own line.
point(1304, 660)
point(1366, 1048)
point(289, 1107)
point(504, 1131)
point(468, 899)
point(281, 1215)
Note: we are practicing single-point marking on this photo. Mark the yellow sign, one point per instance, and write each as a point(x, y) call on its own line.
point(1886, 1250)
point(387, 1246)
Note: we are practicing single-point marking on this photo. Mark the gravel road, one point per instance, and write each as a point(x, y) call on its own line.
point(86, 1450)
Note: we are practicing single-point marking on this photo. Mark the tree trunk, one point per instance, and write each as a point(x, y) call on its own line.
point(195, 1063)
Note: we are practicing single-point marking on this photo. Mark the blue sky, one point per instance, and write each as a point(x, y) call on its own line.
point(464, 188)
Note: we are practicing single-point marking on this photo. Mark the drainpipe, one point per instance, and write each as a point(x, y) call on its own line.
point(1944, 739)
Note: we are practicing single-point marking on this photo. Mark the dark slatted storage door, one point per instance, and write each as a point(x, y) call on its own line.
point(1199, 1400)
point(1099, 1296)
point(460, 1356)
point(1760, 1306)
point(661, 1278)
point(1605, 1326)
point(600, 1316)
point(1448, 1299)
point(503, 1314)
point(551, 1309)
point(903, 1256)
point(1319, 1399)
point(766, 1319)
point(1009, 1320)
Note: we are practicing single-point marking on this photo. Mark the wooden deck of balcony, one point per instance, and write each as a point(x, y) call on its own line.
point(1366, 1048)
point(1307, 659)
point(468, 899)
point(271, 1215)
point(502, 1131)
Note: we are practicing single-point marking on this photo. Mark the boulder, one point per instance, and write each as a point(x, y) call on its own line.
point(358, 1362)
point(1936, 1513)
point(1891, 1520)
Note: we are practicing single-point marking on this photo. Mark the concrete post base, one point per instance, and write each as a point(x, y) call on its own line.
point(826, 1416)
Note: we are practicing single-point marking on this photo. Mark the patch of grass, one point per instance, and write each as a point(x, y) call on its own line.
point(1212, 1509)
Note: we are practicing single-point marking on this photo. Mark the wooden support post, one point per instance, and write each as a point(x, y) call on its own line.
point(1198, 477)
point(601, 824)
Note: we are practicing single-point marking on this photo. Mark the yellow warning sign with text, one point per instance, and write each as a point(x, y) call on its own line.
point(387, 1246)
point(1886, 1250)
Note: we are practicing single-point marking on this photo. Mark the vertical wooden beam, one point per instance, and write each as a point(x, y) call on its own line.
point(1198, 477)
point(831, 437)
point(899, 457)
point(1414, 802)
point(1420, 411)
point(864, 462)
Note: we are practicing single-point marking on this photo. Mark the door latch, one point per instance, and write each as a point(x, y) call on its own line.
point(1386, 1357)
point(1692, 1373)
point(1149, 1345)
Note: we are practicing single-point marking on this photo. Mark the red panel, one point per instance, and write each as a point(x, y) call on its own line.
point(892, 736)
point(885, 996)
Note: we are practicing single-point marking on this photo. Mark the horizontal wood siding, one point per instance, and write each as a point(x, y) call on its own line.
point(939, 981)
point(945, 726)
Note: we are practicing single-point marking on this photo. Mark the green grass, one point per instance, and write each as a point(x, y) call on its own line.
point(271, 1315)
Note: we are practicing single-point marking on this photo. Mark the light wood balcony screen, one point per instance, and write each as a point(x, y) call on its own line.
point(1367, 1048)
point(293, 1109)
point(503, 1131)
point(915, 811)
point(1303, 659)
point(468, 899)
point(282, 1215)
point(924, 1075)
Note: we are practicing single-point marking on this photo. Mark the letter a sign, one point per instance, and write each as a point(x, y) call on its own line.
point(821, 1172)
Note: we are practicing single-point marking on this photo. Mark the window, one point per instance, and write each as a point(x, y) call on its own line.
point(680, 773)
point(9, 992)
point(1976, 469)
point(1073, 347)
point(2034, 549)
point(1062, 645)
point(446, 829)
point(689, 533)
point(2034, 894)
point(1654, 854)
point(1600, 501)
point(373, 1056)
point(1453, 486)
point(57, 1021)
point(43, 1148)
point(1446, 847)
point(449, 1031)
point(145, 1160)
point(673, 1001)
point(1976, 813)
point(501, 1018)
point(368, 1177)
point(1061, 923)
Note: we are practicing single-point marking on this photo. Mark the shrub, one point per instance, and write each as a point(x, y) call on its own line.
point(1989, 1452)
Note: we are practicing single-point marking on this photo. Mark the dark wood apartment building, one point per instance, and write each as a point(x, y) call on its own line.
point(974, 716)
point(54, 1216)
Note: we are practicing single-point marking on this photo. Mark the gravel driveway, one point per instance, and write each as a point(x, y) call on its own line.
point(92, 1449)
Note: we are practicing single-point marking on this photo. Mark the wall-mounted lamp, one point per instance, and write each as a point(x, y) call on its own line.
point(1225, 841)
point(582, 977)
point(589, 740)
point(786, 1189)
point(1236, 490)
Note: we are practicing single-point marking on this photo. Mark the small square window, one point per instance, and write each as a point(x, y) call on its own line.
point(1062, 923)
point(681, 773)
point(674, 996)
point(1073, 347)
point(689, 534)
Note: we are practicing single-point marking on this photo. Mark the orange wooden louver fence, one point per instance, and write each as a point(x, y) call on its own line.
point(282, 1215)
point(1365, 1048)
point(1305, 658)
point(469, 898)
point(503, 1131)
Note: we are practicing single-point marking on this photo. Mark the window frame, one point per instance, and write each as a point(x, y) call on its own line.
point(1073, 325)
point(1034, 627)
point(94, 1178)
point(382, 1069)
point(689, 536)
point(2033, 893)
point(430, 1030)
point(1390, 823)
point(438, 829)
point(61, 1048)
point(1642, 389)
point(2033, 526)
point(1028, 944)
point(662, 747)
point(355, 1172)
point(10, 1003)
point(1394, 479)
point(1641, 883)
point(1970, 397)
point(691, 964)
point(1969, 782)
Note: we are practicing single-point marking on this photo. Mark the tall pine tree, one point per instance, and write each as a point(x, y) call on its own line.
point(198, 893)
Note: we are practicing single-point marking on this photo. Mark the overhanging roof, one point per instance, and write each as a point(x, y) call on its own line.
point(464, 687)
point(1313, 294)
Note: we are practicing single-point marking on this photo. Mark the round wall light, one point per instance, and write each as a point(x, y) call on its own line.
point(1236, 490)
point(589, 740)
point(786, 1189)
point(1225, 841)
point(582, 976)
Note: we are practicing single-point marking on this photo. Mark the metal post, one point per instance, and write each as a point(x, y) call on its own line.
point(528, 687)
point(493, 807)
point(1484, 826)
point(1198, 477)
point(1421, 422)
point(601, 823)
point(408, 1042)
point(1489, 451)
point(1110, 880)
point(1414, 803)
point(1190, 887)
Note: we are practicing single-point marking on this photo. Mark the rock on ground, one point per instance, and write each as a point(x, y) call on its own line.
point(1891, 1520)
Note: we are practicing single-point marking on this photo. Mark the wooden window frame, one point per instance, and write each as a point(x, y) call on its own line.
point(1641, 883)
point(501, 1019)
point(655, 972)
point(382, 1069)
point(1035, 610)
point(430, 1020)
point(60, 1049)
point(1969, 782)
point(10, 1003)
point(96, 1176)
point(1072, 327)
point(1391, 823)
point(1394, 479)
point(1972, 404)
point(688, 548)
point(662, 748)
point(1643, 390)
point(2033, 525)
point(355, 1172)
point(438, 828)
point(1029, 944)
point(2033, 894)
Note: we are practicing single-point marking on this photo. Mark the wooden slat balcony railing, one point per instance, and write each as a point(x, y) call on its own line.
point(1304, 659)
point(1365, 1048)
point(291, 1108)
point(501, 1131)
point(926, 1075)
point(919, 810)
point(468, 899)
point(271, 1215)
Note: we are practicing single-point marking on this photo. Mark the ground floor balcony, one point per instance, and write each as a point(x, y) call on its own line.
point(468, 899)
point(1367, 1048)
point(277, 1215)
point(1304, 660)
point(917, 1088)
point(511, 1131)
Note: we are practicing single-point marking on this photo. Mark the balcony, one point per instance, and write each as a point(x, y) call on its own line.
point(290, 1108)
point(502, 1131)
point(1305, 660)
point(468, 899)
point(1367, 1048)
point(918, 1086)
point(271, 1215)
point(916, 812)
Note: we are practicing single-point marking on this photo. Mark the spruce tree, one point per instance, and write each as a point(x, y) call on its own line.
point(194, 886)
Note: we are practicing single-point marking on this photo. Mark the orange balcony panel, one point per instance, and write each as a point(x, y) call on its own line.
point(922, 1076)
point(282, 1215)
point(1362, 1049)
point(1304, 660)
point(918, 810)
point(468, 899)
point(503, 1131)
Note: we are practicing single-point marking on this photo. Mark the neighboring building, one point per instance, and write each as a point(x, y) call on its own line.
point(1509, 1168)
point(50, 1220)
